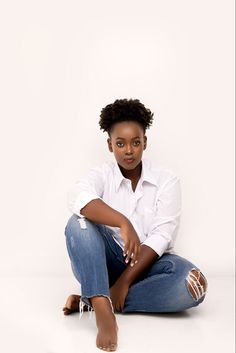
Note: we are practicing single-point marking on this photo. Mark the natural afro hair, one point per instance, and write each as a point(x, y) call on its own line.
point(125, 110)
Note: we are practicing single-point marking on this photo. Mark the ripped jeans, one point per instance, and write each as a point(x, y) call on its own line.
point(97, 261)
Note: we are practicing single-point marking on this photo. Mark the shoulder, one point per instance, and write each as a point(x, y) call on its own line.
point(103, 169)
point(161, 174)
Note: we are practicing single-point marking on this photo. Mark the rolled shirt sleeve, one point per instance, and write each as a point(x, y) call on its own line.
point(85, 190)
point(164, 228)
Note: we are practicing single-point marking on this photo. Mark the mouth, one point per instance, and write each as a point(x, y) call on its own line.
point(129, 160)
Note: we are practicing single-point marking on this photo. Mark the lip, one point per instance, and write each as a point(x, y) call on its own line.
point(129, 160)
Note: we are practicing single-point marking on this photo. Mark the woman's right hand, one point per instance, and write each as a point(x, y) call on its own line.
point(132, 242)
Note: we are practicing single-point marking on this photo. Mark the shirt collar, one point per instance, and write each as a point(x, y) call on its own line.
point(146, 174)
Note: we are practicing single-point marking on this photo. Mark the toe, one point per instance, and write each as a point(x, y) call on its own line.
point(113, 347)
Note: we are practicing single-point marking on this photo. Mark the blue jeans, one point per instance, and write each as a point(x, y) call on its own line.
point(97, 261)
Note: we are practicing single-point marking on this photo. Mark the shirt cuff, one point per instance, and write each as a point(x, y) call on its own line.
point(82, 201)
point(158, 243)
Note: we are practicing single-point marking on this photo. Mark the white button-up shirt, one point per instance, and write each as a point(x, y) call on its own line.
point(153, 208)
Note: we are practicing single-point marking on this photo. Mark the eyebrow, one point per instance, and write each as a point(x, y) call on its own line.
point(121, 138)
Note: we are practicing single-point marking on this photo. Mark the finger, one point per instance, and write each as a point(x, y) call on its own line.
point(138, 253)
point(127, 259)
point(132, 262)
point(126, 248)
point(134, 258)
point(129, 251)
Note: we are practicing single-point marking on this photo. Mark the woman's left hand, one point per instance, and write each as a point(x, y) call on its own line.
point(119, 292)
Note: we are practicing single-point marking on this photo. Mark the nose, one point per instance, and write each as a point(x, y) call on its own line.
point(129, 150)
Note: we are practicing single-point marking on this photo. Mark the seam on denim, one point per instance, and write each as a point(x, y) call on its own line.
point(116, 252)
point(90, 308)
point(110, 247)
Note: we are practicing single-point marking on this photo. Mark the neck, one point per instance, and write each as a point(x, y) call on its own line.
point(132, 174)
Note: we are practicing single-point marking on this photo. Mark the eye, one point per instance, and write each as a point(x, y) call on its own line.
point(120, 143)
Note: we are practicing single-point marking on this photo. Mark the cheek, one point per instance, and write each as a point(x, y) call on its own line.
point(117, 150)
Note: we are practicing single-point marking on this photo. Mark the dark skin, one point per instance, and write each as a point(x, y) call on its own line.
point(120, 289)
point(147, 256)
point(141, 257)
point(126, 140)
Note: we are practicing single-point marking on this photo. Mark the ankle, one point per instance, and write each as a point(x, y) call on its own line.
point(101, 302)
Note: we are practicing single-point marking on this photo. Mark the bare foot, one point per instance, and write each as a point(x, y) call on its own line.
point(72, 304)
point(106, 323)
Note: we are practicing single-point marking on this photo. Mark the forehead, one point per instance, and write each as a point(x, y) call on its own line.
point(127, 130)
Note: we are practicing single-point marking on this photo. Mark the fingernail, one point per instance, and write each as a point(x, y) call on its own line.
point(132, 265)
point(126, 261)
point(136, 261)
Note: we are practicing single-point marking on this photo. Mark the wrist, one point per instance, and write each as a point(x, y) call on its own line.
point(123, 281)
point(125, 278)
point(125, 223)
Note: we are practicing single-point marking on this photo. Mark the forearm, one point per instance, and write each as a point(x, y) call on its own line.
point(147, 257)
point(99, 212)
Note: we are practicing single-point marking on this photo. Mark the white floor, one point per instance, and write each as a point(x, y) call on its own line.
point(32, 321)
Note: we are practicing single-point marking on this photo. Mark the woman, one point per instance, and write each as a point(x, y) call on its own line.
point(121, 236)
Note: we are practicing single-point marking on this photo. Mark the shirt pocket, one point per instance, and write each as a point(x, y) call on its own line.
point(148, 219)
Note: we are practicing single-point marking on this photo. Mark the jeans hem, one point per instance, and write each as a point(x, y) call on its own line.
point(84, 301)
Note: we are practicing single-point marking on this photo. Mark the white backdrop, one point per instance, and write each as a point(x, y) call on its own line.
point(61, 62)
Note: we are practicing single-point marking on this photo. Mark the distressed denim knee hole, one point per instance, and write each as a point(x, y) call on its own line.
point(196, 289)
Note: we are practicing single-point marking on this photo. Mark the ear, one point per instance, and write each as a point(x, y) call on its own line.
point(145, 142)
point(109, 144)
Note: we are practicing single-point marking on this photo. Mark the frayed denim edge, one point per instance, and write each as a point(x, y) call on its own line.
point(83, 302)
